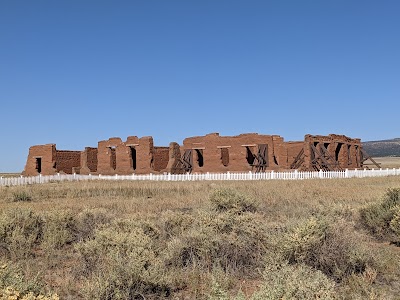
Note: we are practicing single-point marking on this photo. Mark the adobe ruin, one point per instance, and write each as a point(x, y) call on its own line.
point(210, 153)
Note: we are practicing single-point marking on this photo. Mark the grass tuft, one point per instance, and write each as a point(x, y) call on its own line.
point(22, 196)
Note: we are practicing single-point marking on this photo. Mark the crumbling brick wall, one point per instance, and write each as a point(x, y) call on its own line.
point(174, 155)
point(340, 151)
point(293, 150)
point(215, 153)
point(209, 153)
point(160, 158)
point(41, 160)
point(67, 160)
point(133, 156)
point(89, 161)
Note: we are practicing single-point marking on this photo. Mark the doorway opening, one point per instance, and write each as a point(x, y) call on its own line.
point(133, 157)
point(200, 159)
point(113, 158)
point(39, 164)
point(250, 156)
point(337, 151)
point(225, 156)
point(349, 161)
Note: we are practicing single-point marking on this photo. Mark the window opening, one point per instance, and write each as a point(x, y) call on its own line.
point(200, 159)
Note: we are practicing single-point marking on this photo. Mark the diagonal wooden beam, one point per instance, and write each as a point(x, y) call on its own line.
point(366, 156)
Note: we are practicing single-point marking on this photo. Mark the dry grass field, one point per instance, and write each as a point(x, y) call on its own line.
point(10, 174)
point(388, 162)
point(311, 239)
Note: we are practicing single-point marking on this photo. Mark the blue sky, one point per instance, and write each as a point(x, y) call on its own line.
point(74, 72)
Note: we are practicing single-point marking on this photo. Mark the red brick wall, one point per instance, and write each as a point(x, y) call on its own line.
point(47, 154)
point(333, 142)
point(218, 154)
point(66, 160)
point(160, 158)
point(211, 145)
point(92, 159)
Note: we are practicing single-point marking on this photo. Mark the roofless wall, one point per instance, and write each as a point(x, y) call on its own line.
point(210, 153)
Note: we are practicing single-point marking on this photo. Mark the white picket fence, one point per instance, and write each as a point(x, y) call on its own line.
point(292, 175)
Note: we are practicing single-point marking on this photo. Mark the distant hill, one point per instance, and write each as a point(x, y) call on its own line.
point(383, 148)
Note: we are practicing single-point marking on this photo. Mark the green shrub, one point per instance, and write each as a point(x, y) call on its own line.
point(60, 229)
point(377, 217)
point(230, 236)
point(10, 293)
point(20, 230)
point(395, 224)
point(285, 281)
point(300, 243)
point(120, 263)
point(218, 293)
point(333, 248)
point(392, 198)
point(21, 196)
point(362, 287)
point(175, 223)
point(66, 227)
point(224, 200)
point(12, 276)
point(236, 243)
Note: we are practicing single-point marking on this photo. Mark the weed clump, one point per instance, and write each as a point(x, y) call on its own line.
point(228, 200)
point(120, 263)
point(13, 282)
point(300, 281)
point(175, 223)
point(20, 230)
point(13, 294)
point(66, 227)
point(21, 196)
point(230, 236)
point(331, 248)
point(381, 219)
point(395, 225)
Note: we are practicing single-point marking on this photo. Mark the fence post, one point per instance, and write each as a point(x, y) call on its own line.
point(346, 173)
point(151, 176)
point(321, 174)
point(272, 174)
point(296, 174)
